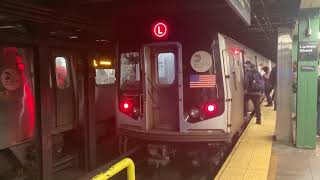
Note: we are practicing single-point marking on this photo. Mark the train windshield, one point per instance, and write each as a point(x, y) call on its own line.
point(130, 71)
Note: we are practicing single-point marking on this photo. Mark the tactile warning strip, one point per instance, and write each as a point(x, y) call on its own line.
point(250, 157)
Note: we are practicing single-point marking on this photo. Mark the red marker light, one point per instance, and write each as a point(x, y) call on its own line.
point(126, 105)
point(160, 29)
point(236, 51)
point(211, 108)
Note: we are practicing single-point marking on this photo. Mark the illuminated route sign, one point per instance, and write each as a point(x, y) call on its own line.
point(160, 29)
point(242, 8)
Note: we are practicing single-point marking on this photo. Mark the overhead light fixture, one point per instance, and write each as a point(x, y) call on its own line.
point(73, 37)
point(7, 27)
point(101, 40)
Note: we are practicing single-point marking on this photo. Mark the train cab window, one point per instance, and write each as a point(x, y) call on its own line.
point(166, 70)
point(62, 74)
point(130, 71)
point(105, 76)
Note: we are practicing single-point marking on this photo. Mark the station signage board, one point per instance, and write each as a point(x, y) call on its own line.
point(242, 8)
point(308, 51)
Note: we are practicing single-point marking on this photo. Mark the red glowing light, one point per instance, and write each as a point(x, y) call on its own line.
point(211, 108)
point(236, 51)
point(160, 30)
point(126, 105)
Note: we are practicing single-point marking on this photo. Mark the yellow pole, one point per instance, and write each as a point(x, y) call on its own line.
point(115, 169)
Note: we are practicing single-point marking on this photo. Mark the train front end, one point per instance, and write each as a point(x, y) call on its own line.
point(169, 91)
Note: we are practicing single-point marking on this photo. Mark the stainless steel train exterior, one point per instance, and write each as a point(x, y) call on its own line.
point(168, 94)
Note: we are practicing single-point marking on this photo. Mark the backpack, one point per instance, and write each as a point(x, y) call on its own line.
point(256, 83)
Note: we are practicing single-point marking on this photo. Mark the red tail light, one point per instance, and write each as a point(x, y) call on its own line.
point(211, 108)
point(130, 106)
point(126, 106)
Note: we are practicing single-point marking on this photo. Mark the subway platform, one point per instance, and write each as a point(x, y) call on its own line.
point(257, 157)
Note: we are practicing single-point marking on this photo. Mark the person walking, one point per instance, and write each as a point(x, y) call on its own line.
point(253, 87)
point(273, 79)
point(267, 85)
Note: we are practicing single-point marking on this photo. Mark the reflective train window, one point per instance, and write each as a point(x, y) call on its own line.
point(17, 107)
point(62, 74)
point(166, 71)
point(105, 76)
point(130, 71)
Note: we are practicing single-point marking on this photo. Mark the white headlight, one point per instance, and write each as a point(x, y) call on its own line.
point(194, 112)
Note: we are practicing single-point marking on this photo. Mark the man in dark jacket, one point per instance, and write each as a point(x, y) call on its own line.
point(273, 79)
point(253, 86)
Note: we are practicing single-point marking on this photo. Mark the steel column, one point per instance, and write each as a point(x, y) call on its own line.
point(284, 85)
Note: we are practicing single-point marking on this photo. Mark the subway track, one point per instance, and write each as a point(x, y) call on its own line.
point(180, 168)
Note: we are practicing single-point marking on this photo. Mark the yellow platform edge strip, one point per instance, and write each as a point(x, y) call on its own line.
point(250, 157)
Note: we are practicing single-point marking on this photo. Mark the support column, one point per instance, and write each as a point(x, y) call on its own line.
point(307, 78)
point(294, 85)
point(284, 85)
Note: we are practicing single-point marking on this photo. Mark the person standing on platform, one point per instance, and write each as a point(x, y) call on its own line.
point(273, 79)
point(268, 85)
point(253, 87)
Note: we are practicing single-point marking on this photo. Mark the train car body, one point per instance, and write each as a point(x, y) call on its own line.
point(45, 93)
point(183, 90)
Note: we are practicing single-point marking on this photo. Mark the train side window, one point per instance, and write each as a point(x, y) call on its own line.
point(62, 74)
point(166, 70)
point(105, 76)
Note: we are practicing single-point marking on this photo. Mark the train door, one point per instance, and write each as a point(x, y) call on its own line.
point(162, 90)
point(236, 85)
point(104, 110)
point(66, 145)
point(226, 71)
point(64, 92)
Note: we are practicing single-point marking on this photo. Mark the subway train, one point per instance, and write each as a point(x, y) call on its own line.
point(45, 99)
point(181, 92)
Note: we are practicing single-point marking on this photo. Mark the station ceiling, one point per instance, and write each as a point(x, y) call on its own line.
point(92, 19)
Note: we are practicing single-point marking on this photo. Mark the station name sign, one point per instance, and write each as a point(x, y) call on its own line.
point(308, 51)
point(242, 8)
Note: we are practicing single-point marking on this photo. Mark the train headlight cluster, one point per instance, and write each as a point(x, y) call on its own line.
point(130, 107)
point(205, 111)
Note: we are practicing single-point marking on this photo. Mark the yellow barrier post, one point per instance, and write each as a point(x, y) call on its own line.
point(115, 169)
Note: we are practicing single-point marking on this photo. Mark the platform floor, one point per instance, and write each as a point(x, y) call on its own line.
point(250, 157)
point(290, 163)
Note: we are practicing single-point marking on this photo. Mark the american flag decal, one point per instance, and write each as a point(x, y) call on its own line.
point(202, 81)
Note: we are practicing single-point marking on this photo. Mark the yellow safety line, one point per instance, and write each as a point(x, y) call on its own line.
point(250, 157)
